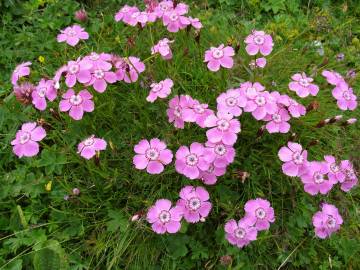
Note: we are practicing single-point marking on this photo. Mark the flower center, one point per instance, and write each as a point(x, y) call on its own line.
point(276, 118)
point(318, 178)
point(220, 149)
point(223, 124)
point(199, 109)
point(174, 17)
point(260, 100)
point(304, 82)
point(177, 111)
point(194, 203)
point(334, 168)
point(89, 141)
point(350, 173)
point(25, 137)
point(75, 100)
point(163, 7)
point(94, 56)
point(157, 87)
point(74, 68)
point(191, 160)
point(331, 222)
point(260, 213)
point(346, 95)
point(259, 40)
point(99, 74)
point(71, 33)
point(164, 216)
point(231, 101)
point(152, 154)
point(217, 53)
point(42, 91)
point(240, 233)
point(298, 158)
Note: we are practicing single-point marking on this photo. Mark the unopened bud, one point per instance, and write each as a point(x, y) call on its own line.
point(76, 191)
point(313, 106)
point(261, 130)
point(226, 260)
point(135, 218)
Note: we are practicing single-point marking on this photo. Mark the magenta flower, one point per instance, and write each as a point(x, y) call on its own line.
point(295, 159)
point(163, 48)
point(262, 104)
point(101, 61)
point(163, 7)
point(141, 17)
point(124, 14)
point(277, 122)
point(45, 88)
point(175, 112)
point(303, 85)
point(251, 90)
point(201, 113)
point(260, 212)
point(326, 221)
point(220, 56)
point(190, 162)
point(20, 71)
point(72, 35)
point(231, 102)
point(224, 128)
point(351, 178)
point(333, 77)
point(76, 104)
point(128, 69)
point(259, 41)
point(296, 109)
point(90, 146)
point(174, 19)
point(220, 154)
point(26, 141)
point(209, 177)
point(315, 178)
point(152, 156)
point(101, 77)
point(195, 22)
point(160, 90)
point(346, 100)
point(78, 70)
point(164, 218)
point(194, 203)
point(336, 174)
point(240, 233)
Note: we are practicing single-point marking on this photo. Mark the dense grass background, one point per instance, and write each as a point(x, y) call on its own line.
point(39, 229)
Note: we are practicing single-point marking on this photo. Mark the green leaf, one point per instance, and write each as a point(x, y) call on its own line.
point(117, 221)
point(46, 259)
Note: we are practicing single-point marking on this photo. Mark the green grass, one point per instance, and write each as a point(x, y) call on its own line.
point(93, 231)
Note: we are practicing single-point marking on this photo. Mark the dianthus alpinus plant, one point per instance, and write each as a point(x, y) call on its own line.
point(153, 132)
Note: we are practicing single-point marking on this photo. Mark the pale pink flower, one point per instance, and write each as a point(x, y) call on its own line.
point(294, 158)
point(128, 69)
point(163, 7)
point(251, 90)
point(174, 19)
point(26, 141)
point(333, 77)
point(163, 48)
point(175, 112)
point(90, 146)
point(240, 233)
point(124, 14)
point(259, 41)
point(160, 90)
point(224, 128)
point(346, 100)
point(303, 85)
point(219, 57)
point(327, 221)
point(351, 178)
point(262, 104)
point(277, 122)
point(201, 111)
point(190, 161)
point(78, 70)
point(76, 104)
point(315, 178)
point(152, 155)
point(258, 63)
point(336, 174)
point(219, 154)
point(99, 60)
point(101, 77)
point(20, 71)
point(194, 203)
point(45, 89)
point(142, 18)
point(260, 213)
point(296, 109)
point(209, 177)
point(164, 218)
point(231, 102)
point(195, 22)
point(72, 35)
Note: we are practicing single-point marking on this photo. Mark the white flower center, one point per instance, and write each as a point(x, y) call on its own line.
point(259, 40)
point(347, 95)
point(89, 141)
point(304, 82)
point(220, 149)
point(194, 203)
point(157, 87)
point(25, 137)
point(71, 33)
point(74, 68)
point(94, 56)
point(297, 158)
point(163, 7)
point(231, 101)
point(217, 53)
point(260, 100)
point(334, 168)
point(191, 160)
point(260, 213)
point(152, 154)
point(76, 100)
point(318, 178)
point(177, 111)
point(331, 222)
point(41, 92)
point(276, 118)
point(164, 216)
point(240, 233)
point(99, 74)
point(223, 124)
point(174, 17)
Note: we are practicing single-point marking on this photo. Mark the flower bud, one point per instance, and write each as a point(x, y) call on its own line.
point(76, 191)
point(23, 92)
point(81, 15)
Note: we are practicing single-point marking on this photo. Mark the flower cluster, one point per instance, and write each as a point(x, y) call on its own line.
point(258, 216)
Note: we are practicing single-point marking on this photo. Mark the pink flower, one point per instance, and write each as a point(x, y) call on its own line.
point(220, 56)
point(76, 104)
point(231, 102)
point(251, 90)
point(164, 218)
point(124, 14)
point(259, 41)
point(175, 112)
point(101, 77)
point(20, 71)
point(90, 146)
point(209, 177)
point(240, 233)
point(295, 159)
point(258, 63)
point(174, 19)
point(45, 88)
point(190, 162)
point(26, 141)
point(351, 179)
point(333, 77)
point(161, 89)
point(142, 18)
point(296, 109)
point(262, 104)
point(224, 128)
point(326, 221)
point(163, 7)
point(194, 202)
point(72, 35)
point(128, 69)
point(101, 60)
point(78, 70)
point(346, 100)
point(163, 48)
point(195, 22)
point(151, 5)
point(201, 112)
point(315, 178)
point(152, 156)
point(303, 85)
point(260, 213)
point(220, 154)
point(277, 122)
point(336, 174)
